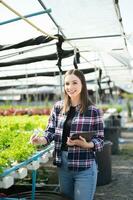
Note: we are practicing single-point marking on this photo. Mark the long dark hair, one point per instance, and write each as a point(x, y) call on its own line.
point(85, 101)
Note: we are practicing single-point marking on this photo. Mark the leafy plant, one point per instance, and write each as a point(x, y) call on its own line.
point(105, 107)
point(15, 133)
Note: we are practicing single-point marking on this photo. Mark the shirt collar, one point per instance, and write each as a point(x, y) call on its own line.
point(77, 107)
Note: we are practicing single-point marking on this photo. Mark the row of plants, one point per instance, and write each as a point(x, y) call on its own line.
point(24, 111)
point(8, 110)
point(105, 107)
point(15, 132)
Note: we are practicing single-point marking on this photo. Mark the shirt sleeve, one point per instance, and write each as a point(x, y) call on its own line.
point(98, 139)
point(50, 130)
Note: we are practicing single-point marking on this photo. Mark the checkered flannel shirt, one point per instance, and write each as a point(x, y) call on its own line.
point(78, 158)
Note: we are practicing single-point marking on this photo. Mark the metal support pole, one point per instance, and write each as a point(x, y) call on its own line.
point(26, 16)
point(33, 184)
point(61, 90)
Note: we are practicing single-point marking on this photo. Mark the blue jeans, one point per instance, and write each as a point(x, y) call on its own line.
point(77, 185)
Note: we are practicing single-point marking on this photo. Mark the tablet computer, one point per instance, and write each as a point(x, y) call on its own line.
point(87, 135)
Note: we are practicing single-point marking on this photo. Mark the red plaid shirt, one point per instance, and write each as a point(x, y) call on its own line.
point(91, 120)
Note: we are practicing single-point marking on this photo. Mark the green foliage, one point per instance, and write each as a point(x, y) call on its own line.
point(127, 150)
point(128, 96)
point(3, 164)
point(15, 133)
point(105, 107)
point(8, 105)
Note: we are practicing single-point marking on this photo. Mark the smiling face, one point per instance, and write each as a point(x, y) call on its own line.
point(75, 90)
point(73, 87)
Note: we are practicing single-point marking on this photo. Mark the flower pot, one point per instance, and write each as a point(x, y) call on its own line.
point(44, 158)
point(20, 173)
point(34, 165)
point(6, 182)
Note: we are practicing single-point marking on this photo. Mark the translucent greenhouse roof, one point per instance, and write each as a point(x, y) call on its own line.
point(95, 28)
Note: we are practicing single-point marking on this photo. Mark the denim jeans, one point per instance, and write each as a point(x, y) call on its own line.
point(79, 185)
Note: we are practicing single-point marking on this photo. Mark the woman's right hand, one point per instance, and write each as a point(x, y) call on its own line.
point(37, 140)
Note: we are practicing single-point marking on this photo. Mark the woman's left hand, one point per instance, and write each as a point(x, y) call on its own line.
point(81, 142)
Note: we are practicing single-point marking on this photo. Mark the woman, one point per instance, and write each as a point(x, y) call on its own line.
point(75, 159)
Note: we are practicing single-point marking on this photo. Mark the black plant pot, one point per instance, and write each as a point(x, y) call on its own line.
point(103, 160)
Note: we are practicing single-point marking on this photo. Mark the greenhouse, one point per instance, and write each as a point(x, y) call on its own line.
point(40, 40)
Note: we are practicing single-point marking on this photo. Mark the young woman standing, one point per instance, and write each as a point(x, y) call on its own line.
point(75, 159)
